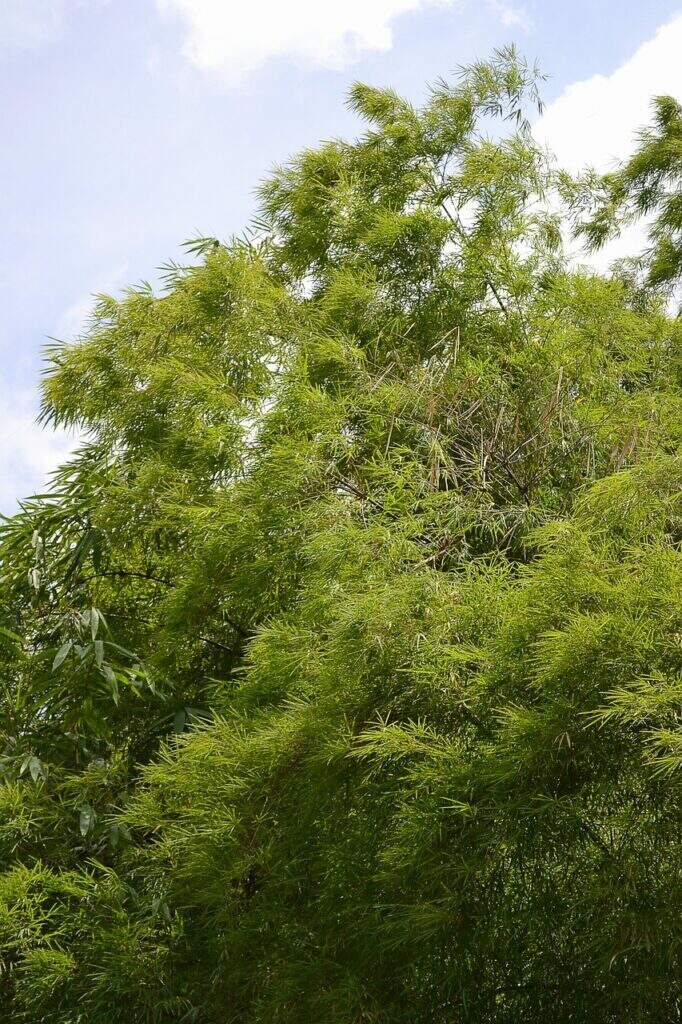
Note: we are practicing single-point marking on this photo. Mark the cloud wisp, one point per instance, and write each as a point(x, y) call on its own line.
point(234, 39)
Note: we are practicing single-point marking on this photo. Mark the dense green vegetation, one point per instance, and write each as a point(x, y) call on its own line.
point(341, 666)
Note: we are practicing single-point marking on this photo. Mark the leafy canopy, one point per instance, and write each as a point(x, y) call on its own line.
point(341, 665)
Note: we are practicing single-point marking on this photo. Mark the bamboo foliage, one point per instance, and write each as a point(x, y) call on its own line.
point(342, 663)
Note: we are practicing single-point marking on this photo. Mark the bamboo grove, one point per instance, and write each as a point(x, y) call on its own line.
point(341, 664)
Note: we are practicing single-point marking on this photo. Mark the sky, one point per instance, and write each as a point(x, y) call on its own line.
point(129, 126)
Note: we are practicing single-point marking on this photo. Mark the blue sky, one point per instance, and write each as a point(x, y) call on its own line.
point(131, 125)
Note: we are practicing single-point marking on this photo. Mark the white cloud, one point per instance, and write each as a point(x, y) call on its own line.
point(594, 121)
point(511, 17)
point(233, 37)
point(28, 453)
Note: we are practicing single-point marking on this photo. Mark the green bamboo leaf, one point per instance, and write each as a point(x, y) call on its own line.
point(86, 820)
point(62, 654)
